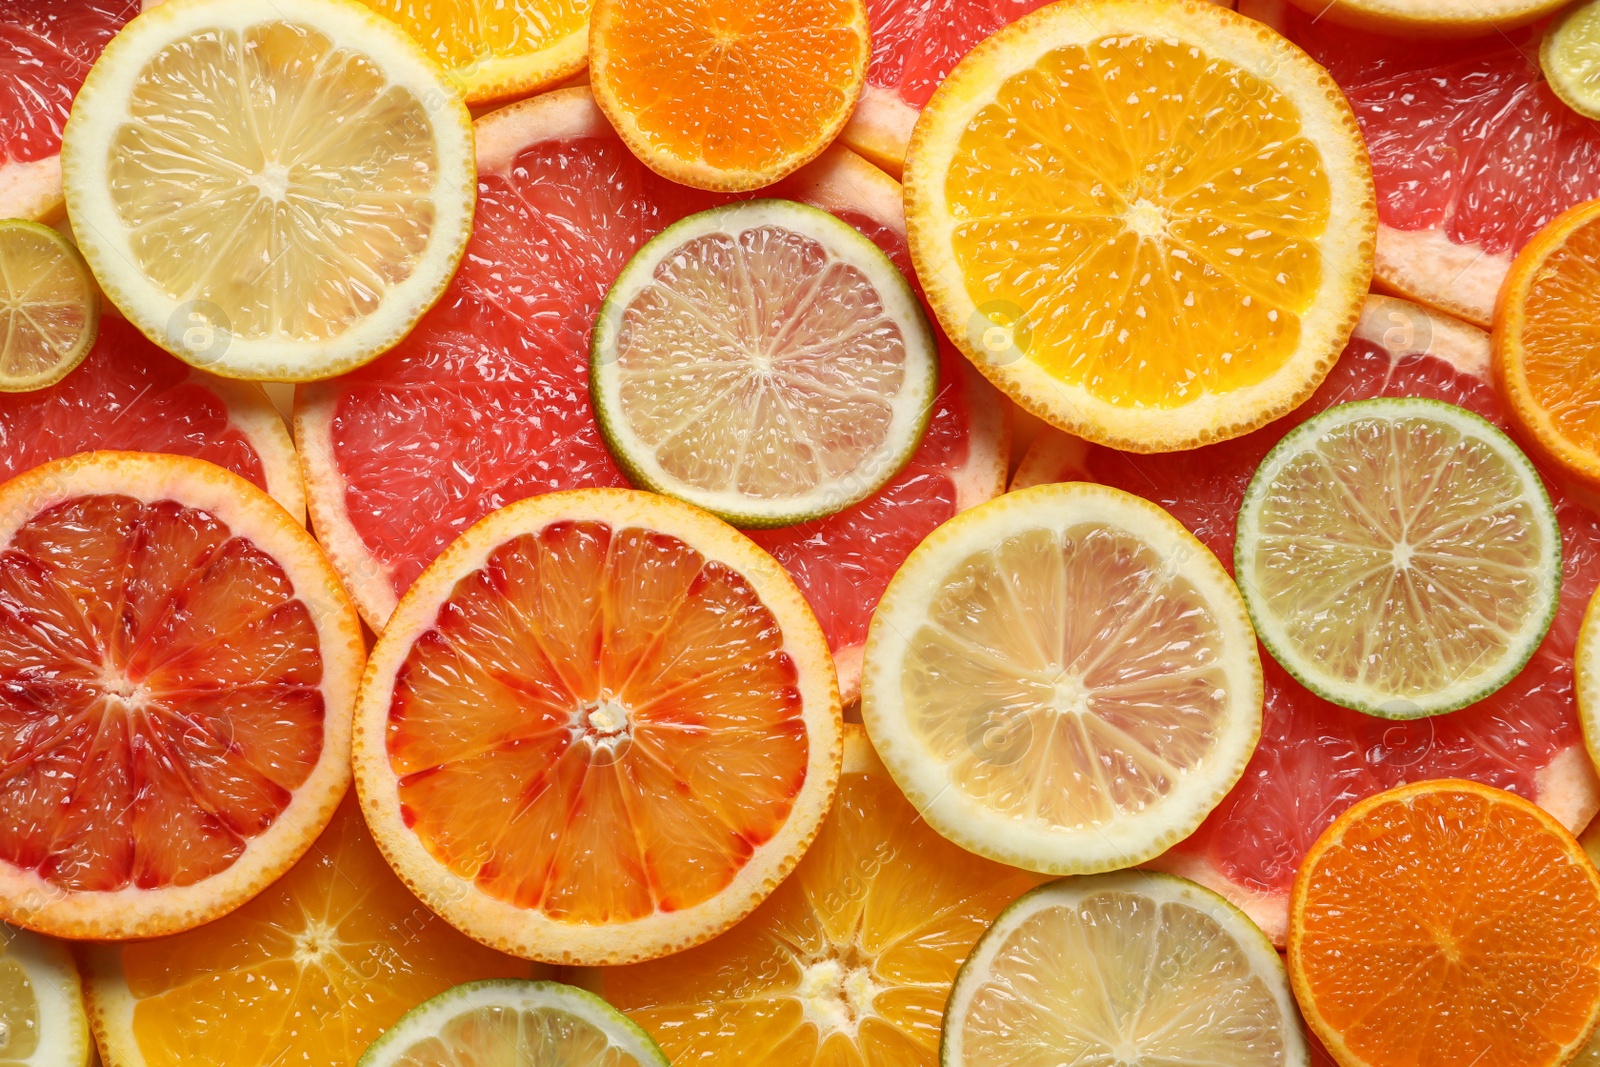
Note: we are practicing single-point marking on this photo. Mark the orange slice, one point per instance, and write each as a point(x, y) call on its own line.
point(178, 665)
point(849, 962)
point(1447, 922)
point(1547, 342)
point(307, 973)
point(600, 727)
point(728, 94)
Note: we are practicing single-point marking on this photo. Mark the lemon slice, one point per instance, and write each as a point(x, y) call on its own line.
point(42, 1021)
point(1129, 968)
point(49, 306)
point(1570, 56)
point(272, 191)
point(1399, 556)
point(1063, 679)
point(508, 1021)
point(765, 361)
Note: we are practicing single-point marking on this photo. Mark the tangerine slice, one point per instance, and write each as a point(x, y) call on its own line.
point(600, 727)
point(178, 665)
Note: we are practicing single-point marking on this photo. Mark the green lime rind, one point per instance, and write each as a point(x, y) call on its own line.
point(1161, 890)
point(68, 362)
point(521, 995)
point(913, 404)
point(1356, 696)
point(1569, 55)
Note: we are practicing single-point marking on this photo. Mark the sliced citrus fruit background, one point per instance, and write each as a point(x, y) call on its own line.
point(1547, 342)
point(1315, 759)
point(728, 94)
point(1447, 922)
point(1569, 56)
point(1130, 967)
point(129, 394)
point(309, 972)
point(178, 665)
point(1471, 151)
point(765, 361)
point(1399, 556)
point(46, 48)
point(1157, 290)
point(49, 306)
point(487, 401)
point(848, 962)
point(601, 727)
point(1063, 679)
point(221, 218)
point(42, 1020)
point(1429, 18)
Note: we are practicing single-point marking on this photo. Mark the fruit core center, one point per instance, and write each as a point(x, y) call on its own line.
point(837, 992)
point(607, 728)
point(1070, 695)
point(114, 682)
point(273, 181)
point(317, 941)
point(1146, 219)
point(1402, 555)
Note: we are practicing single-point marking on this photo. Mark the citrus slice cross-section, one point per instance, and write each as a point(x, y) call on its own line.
point(1447, 922)
point(49, 306)
point(542, 1024)
point(1132, 968)
point(1429, 18)
point(178, 665)
point(1063, 679)
point(1173, 262)
point(848, 962)
point(1399, 556)
point(600, 727)
point(764, 361)
point(270, 192)
point(42, 1020)
point(1570, 58)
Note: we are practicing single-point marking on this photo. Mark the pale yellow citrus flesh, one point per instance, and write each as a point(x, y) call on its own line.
point(505, 1035)
point(49, 306)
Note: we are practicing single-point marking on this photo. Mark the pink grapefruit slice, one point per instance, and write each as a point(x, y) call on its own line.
point(1316, 759)
point(46, 48)
point(487, 402)
point(1472, 152)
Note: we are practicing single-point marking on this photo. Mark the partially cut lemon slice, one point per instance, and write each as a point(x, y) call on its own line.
point(42, 1021)
point(49, 306)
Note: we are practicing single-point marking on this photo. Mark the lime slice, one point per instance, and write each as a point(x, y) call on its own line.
point(509, 1021)
point(42, 1021)
point(1570, 56)
point(49, 310)
point(1121, 969)
point(765, 361)
point(1063, 679)
point(1399, 556)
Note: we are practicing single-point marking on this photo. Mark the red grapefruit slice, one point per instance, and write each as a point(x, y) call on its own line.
point(130, 395)
point(1471, 151)
point(1316, 759)
point(487, 402)
point(46, 48)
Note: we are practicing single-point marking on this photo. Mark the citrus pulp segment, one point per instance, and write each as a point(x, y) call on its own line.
point(851, 958)
point(42, 1021)
point(1471, 152)
point(764, 361)
point(601, 727)
point(487, 401)
point(1547, 324)
point(723, 94)
point(308, 973)
point(1315, 759)
point(178, 665)
point(49, 306)
point(1063, 679)
point(1399, 556)
point(1428, 19)
point(46, 48)
point(1447, 922)
point(269, 193)
point(1130, 967)
point(514, 1022)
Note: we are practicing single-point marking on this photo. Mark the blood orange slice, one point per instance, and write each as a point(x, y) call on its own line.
point(129, 394)
point(488, 401)
point(1315, 759)
point(1471, 151)
point(601, 727)
point(46, 48)
point(178, 665)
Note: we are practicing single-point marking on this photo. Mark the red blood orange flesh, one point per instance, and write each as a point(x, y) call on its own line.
point(1315, 759)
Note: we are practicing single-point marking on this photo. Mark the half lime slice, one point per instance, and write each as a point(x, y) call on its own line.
point(49, 306)
point(765, 361)
point(1399, 556)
